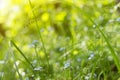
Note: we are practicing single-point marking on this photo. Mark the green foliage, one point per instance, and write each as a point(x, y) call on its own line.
point(59, 40)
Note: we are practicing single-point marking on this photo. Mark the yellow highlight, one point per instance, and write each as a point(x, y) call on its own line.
point(118, 78)
point(60, 16)
point(16, 1)
point(25, 48)
point(27, 8)
point(45, 32)
point(75, 52)
point(42, 54)
point(97, 14)
point(11, 33)
point(45, 17)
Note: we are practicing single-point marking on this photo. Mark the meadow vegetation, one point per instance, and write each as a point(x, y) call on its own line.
point(59, 40)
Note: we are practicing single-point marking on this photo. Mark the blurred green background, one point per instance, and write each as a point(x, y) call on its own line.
point(63, 24)
point(64, 18)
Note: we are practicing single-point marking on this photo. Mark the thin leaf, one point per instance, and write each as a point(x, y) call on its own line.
point(114, 55)
point(22, 54)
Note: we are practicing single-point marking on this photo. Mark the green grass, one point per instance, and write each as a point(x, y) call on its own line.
point(48, 50)
point(113, 53)
point(40, 36)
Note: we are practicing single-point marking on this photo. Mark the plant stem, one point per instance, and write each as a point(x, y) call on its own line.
point(39, 34)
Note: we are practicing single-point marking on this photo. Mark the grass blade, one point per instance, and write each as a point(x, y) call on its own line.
point(20, 77)
point(22, 54)
point(47, 59)
point(12, 53)
point(114, 55)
